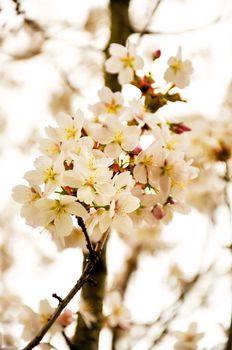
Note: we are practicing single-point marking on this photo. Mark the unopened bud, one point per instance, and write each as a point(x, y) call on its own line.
point(116, 167)
point(156, 54)
point(158, 212)
point(137, 150)
point(66, 318)
point(179, 128)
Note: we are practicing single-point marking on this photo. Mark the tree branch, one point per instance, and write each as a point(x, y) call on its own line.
point(145, 29)
point(86, 275)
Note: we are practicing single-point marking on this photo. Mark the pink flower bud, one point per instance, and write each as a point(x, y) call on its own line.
point(137, 150)
point(158, 212)
point(179, 128)
point(156, 54)
point(66, 318)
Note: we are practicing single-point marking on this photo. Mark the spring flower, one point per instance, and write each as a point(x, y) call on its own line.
point(59, 213)
point(47, 172)
point(111, 103)
point(117, 313)
point(33, 321)
point(123, 204)
point(125, 61)
point(188, 340)
point(116, 136)
point(27, 196)
point(179, 71)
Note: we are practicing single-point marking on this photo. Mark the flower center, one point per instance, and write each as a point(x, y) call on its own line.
point(176, 65)
point(128, 61)
point(119, 137)
point(112, 107)
point(59, 209)
point(49, 175)
point(148, 160)
point(70, 133)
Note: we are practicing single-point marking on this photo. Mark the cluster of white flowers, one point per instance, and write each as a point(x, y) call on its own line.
point(100, 171)
point(210, 145)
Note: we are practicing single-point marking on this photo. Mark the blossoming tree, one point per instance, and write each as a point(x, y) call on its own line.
point(120, 168)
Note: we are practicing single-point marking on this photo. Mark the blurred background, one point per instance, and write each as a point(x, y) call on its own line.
point(52, 55)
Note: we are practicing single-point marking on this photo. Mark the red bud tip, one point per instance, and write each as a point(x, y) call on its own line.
point(137, 150)
point(116, 167)
point(156, 54)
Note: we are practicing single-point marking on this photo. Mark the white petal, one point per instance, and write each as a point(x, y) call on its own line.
point(104, 221)
point(138, 63)
point(86, 194)
point(122, 223)
point(113, 150)
point(117, 50)
point(140, 173)
point(128, 203)
point(34, 177)
point(113, 65)
point(63, 225)
point(126, 75)
point(71, 178)
point(45, 204)
point(43, 163)
point(21, 194)
point(77, 209)
point(65, 199)
point(105, 94)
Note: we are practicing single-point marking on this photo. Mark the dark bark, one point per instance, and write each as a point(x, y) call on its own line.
point(92, 293)
point(120, 31)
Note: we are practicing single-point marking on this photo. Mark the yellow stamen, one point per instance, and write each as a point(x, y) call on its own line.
point(49, 175)
point(128, 61)
point(70, 133)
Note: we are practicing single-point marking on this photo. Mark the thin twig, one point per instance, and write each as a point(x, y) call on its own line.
point(145, 28)
point(89, 246)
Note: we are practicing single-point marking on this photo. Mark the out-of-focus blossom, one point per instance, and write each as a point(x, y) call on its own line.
point(188, 340)
point(117, 314)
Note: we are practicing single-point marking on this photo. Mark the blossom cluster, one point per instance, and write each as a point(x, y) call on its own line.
point(103, 169)
point(210, 145)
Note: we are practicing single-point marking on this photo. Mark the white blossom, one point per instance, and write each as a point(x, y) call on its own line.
point(179, 71)
point(111, 103)
point(125, 61)
point(188, 340)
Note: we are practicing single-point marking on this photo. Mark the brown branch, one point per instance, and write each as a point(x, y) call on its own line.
point(86, 275)
point(89, 246)
point(145, 29)
point(18, 9)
